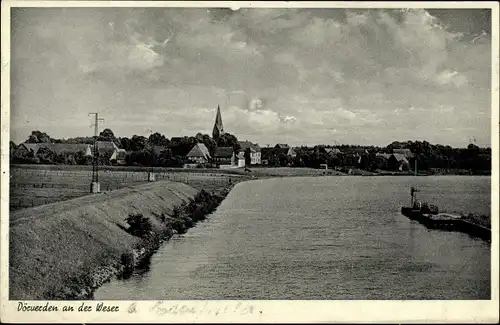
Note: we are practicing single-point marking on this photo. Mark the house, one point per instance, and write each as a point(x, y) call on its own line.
point(118, 156)
point(406, 152)
point(356, 154)
point(266, 155)
point(288, 151)
point(282, 146)
point(333, 151)
point(57, 148)
point(224, 156)
point(176, 140)
point(395, 161)
point(27, 148)
point(254, 150)
point(399, 161)
point(199, 154)
point(357, 151)
point(240, 159)
point(269, 153)
point(106, 146)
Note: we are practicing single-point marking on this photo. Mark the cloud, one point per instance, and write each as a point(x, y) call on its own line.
point(255, 104)
point(277, 73)
point(447, 77)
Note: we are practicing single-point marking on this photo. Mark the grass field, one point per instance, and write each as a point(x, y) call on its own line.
point(34, 185)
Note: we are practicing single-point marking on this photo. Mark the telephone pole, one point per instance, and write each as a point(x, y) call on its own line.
point(95, 186)
point(151, 174)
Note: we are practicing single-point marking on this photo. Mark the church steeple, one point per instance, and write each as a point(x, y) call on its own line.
point(218, 128)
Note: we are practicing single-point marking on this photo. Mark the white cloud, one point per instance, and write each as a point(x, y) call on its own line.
point(448, 77)
point(285, 71)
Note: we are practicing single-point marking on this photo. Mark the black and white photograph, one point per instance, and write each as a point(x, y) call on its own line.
point(248, 151)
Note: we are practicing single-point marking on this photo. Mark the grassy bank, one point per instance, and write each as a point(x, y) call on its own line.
point(65, 250)
point(35, 187)
point(32, 185)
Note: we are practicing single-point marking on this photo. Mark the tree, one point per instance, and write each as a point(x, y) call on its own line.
point(209, 143)
point(39, 137)
point(24, 157)
point(181, 148)
point(157, 139)
point(106, 135)
point(284, 160)
point(248, 158)
point(32, 139)
point(12, 146)
point(229, 140)
point(125, 144)
point(46, 156)
point(138, 142)
point(86, 140)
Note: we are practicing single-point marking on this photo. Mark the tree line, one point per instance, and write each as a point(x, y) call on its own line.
point(426, 157)
point(158, 150)
point(155, 150)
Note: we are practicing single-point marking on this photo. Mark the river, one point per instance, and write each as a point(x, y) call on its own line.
point(322, 238)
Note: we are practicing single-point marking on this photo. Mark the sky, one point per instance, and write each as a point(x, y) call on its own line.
point(296, 76)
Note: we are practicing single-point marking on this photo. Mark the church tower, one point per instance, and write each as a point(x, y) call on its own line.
point(218, 128)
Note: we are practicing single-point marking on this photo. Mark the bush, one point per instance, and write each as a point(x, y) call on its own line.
point(140, 226)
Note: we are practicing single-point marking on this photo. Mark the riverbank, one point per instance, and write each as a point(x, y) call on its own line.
point(65, 250)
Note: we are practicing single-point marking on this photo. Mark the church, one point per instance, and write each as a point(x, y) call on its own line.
point(218, 130)
point(225, 155)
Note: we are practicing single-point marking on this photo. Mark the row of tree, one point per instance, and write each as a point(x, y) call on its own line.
point(425, 155)
point(158, 150)
point(155, 150)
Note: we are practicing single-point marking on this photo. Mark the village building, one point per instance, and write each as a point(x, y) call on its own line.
point(57, 148)
point(218, 130)
point(253, 150)
point(394, 161)
point(269, 153)
point(333, 151)
point(282, 146)
point(176, 140)
point(224, 156)
point(406, 152)
point(199, 154)
point(118, 157)
point(401, 161)
point(240, 159)
point(72, 149)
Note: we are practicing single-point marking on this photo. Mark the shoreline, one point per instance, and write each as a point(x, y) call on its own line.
point(184, 217)
point(299, 171)
point(66, 250)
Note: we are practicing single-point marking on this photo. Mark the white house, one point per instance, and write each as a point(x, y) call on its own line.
point(254, 150)
point(240, 159)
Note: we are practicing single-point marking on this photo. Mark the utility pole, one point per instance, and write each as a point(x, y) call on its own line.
point(151, 174)
point(95, 187)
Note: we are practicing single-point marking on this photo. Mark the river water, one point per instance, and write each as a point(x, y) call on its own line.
point(322, 238)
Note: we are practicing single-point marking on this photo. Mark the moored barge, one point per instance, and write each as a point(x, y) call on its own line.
point(429, 216)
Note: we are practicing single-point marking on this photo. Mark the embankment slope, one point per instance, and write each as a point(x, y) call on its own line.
point(52, 243)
